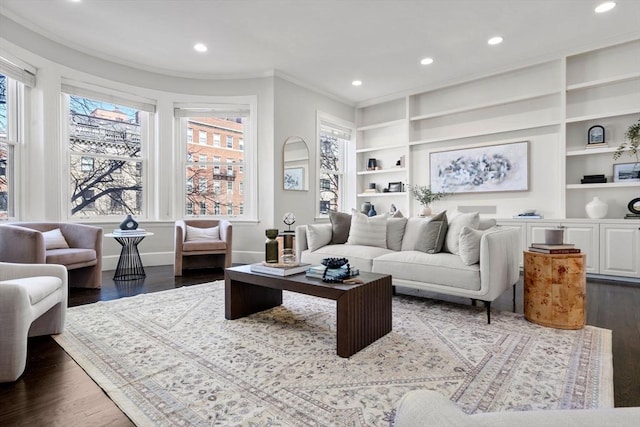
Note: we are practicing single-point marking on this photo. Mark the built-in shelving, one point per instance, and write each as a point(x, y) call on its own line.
point(602, 185)
point(383, 171)
point(381, 125)
point(381, 148)
point(604, 81)
point(494, 131)
point(604, 115)
point(393, 194)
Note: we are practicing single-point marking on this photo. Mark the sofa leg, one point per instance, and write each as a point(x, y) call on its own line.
point(474, 302)
point(514, 297)
point(488, 305)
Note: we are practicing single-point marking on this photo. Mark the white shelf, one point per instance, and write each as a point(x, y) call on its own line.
point(586, 118)
point(394, 194)
point(380, 171)
point(382, 125)
point(603, 82)
point(476, 134)
point(381, 148)
point(603, 185)
point(591, 151)
point(486, 105)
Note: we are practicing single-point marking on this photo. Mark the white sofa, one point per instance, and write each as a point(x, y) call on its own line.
point(420, 408)
point(444, 272)
point(33, 302)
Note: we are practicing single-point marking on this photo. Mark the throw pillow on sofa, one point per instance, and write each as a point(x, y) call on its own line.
point(470, 245)
point(340, 226)
point(368, 231)
point(395, 233)
point(433, 234)
point(318, 235)
point(53, 239)
point(452, 242)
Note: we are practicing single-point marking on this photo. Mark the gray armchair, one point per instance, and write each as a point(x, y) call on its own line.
point(24, 243)
point(195, 248)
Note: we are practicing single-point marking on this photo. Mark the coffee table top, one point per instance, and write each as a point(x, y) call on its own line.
point(297, 281)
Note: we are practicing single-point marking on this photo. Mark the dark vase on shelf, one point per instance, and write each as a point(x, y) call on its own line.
point(129, 223)
point(271, 246)
point(365, 208)
point(372, 211)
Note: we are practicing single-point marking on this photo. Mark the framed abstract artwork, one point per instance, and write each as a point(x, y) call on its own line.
point(500, 167)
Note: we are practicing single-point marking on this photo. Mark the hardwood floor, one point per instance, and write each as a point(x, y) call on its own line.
point(55, 391)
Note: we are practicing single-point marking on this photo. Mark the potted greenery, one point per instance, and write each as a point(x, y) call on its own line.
point(425, 196)
point(632, 136)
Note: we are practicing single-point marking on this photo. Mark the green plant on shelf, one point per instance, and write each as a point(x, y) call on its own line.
point(632, 140)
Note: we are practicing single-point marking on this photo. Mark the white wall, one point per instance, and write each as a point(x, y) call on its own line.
point(45, 148)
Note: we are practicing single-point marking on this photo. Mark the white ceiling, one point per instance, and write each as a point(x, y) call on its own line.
point(326, 44)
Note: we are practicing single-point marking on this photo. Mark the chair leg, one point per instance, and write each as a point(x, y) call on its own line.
point(514, 297)
point(474, 302)
point(488, 304)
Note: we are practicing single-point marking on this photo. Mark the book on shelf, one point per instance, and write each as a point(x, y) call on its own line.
point(548, 246)
point(554, 251)
point(279, 269)
point(632, 216)
point(527, 216)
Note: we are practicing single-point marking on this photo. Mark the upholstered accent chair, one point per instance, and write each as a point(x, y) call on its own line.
point(202, 243)
point(33, 302)
point(76, 246)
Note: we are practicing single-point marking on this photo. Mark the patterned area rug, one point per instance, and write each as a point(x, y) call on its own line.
point(170, 358)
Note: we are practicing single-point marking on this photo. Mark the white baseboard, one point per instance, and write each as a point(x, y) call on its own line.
point(151, 259)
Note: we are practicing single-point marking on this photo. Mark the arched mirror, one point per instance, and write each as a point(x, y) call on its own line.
point(295, 164)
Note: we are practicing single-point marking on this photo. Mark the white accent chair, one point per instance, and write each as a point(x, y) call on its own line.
point(33, 302)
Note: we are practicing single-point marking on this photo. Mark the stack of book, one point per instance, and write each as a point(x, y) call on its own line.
point(544, 248)
point(528, 216)
point(136, 232)
point(279, 269)
point(318, 272)
point(593, 179)
point(632, 216)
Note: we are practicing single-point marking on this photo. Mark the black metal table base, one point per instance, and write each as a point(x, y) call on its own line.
point(129, 264)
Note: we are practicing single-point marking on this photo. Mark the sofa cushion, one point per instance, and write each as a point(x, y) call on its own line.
point(395, 233)
point(441, 269)
point(318, 235)
point(203, 245)
point(70, 256)
point(340, 226)
point(487, 223)
point(53, 239)
point(433, 234)
point(412, 232)
point(452, 241)
point(470, 245)
point(197, 233)
point(368, 231)
point(359, 256)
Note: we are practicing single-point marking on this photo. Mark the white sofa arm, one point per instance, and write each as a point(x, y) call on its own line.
point(499, 261)
point(301, 240)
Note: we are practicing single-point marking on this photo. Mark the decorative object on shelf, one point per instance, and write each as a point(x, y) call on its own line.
point(337, 270)
point(595, 136)
point(393, 208)
point(289, 219)
point(271, 246)
point(395, 187)
point(372, 211)
point(626, 172)
point(365, 208)
point(129, 223)
point(400, 162)
point(553, 236)
point(593, 179)
point(634, 208)
point(372, 164)
point(425, 196)
point(632, 136)
point(500, 167)
point(596, 208)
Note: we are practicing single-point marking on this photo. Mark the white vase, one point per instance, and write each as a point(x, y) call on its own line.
point(596, 208)
point(426, 211)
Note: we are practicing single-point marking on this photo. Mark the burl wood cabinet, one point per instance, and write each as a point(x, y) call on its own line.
point(555, 289)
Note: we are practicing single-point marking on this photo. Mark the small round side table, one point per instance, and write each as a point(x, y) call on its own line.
point(129, 263)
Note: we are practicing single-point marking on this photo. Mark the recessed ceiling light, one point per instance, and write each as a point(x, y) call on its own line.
point(495, 40)
point(200, 47)
point(357, 82)
point(605, 7)
point(426, 61)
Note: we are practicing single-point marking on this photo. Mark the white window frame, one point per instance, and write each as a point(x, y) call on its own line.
point(147, 110)
point(229, 140)
point(211, 105)
point(216, 140)
point(202, 140)
point(347, 199)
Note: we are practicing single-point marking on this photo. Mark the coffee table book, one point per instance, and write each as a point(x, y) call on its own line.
point(554, 251)
point(279, 269)
point(551, 246)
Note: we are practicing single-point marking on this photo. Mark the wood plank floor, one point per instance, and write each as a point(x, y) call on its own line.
point(55, 391)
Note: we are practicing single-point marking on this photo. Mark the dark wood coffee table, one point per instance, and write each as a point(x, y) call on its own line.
point(363, 310)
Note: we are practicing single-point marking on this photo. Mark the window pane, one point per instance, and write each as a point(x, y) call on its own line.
point(106, 159)
point(332, 151)
point(3, 107)
point(218, 189)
